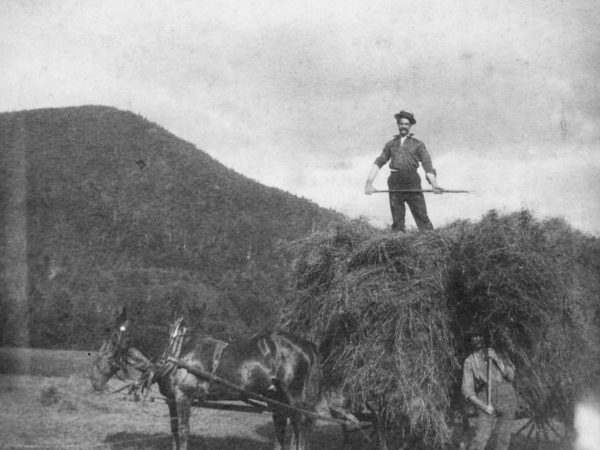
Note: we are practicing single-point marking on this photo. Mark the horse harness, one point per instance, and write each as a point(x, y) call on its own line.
point(216, 359)
point(174, 351)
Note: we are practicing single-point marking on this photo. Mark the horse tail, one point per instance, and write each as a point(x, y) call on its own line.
point(314, 379)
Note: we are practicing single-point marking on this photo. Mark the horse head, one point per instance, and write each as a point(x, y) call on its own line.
point(113, 353)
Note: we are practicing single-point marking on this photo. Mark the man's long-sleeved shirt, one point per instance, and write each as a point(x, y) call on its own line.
point(475, 373)
point(405, 158)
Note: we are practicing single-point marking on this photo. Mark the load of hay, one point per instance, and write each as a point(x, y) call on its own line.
point(389, 313)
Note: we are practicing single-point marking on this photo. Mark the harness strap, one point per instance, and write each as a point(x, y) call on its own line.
point(173, 349)
point(219, 347)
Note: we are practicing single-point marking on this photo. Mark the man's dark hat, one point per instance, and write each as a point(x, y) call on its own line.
point(406, 115)
point(474, 331)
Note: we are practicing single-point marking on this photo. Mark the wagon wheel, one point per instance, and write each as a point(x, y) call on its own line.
point(540, 430)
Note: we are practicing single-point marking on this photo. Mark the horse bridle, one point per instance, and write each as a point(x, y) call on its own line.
point(120, 359)
point(117, 359)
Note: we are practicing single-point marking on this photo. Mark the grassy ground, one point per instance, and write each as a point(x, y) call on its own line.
point(61, 411)
point(48, 403)
point(47, 363)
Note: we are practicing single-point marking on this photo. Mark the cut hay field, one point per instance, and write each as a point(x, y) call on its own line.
point(63, 413)
point(54, 407)
point(59, 410)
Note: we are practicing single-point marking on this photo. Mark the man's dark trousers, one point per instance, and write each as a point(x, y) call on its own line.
point(415, 201)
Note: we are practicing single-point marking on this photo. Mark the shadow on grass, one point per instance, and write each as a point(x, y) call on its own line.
point(142, 441)
point(522, 443)
point(330, 437)
point(325, 437)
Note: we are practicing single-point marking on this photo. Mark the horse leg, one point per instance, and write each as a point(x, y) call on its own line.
point(280, 422)
point(345, 437)
point(378, 415)
point(281, 394)
point(381, 431)
point(184, 409)
point(302, 427)
point(174, 420)
point(381, 434)
point(295, 441)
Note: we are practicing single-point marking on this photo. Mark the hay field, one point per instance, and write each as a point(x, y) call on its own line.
point(43, 362)
point(61, 411)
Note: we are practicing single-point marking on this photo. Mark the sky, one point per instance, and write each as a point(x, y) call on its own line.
point(301, 95)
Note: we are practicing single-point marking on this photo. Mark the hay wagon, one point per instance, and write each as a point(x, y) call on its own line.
point(390, 312)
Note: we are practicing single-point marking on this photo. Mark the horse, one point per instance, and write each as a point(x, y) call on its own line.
point(116, 354)
point(277, 365)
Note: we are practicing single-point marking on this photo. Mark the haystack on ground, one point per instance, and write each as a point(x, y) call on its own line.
point(389, 312)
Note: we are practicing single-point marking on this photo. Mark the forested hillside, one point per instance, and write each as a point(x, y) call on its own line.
point(101, 208)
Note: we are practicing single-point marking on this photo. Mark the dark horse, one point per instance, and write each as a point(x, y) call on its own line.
point(117, 354)
point(280, 366)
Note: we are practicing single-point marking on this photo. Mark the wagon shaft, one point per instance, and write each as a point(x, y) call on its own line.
point(254, 395)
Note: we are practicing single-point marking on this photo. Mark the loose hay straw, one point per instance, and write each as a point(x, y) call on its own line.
point(389, 312)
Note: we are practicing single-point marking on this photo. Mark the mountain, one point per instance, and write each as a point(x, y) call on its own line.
point(102, 208)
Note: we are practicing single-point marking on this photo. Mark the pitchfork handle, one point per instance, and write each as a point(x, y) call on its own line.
point(489, 378)
point(412, 191)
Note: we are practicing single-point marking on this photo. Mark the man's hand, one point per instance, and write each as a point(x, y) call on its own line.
point(369, 189)
point(488, 409)
point(431, 178)
point(506, 370)
point(492, 355)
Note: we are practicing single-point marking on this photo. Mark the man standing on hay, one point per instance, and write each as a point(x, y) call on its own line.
point(487, 383)
point(405, 153)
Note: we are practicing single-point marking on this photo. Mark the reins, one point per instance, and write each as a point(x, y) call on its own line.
point(141, 364)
